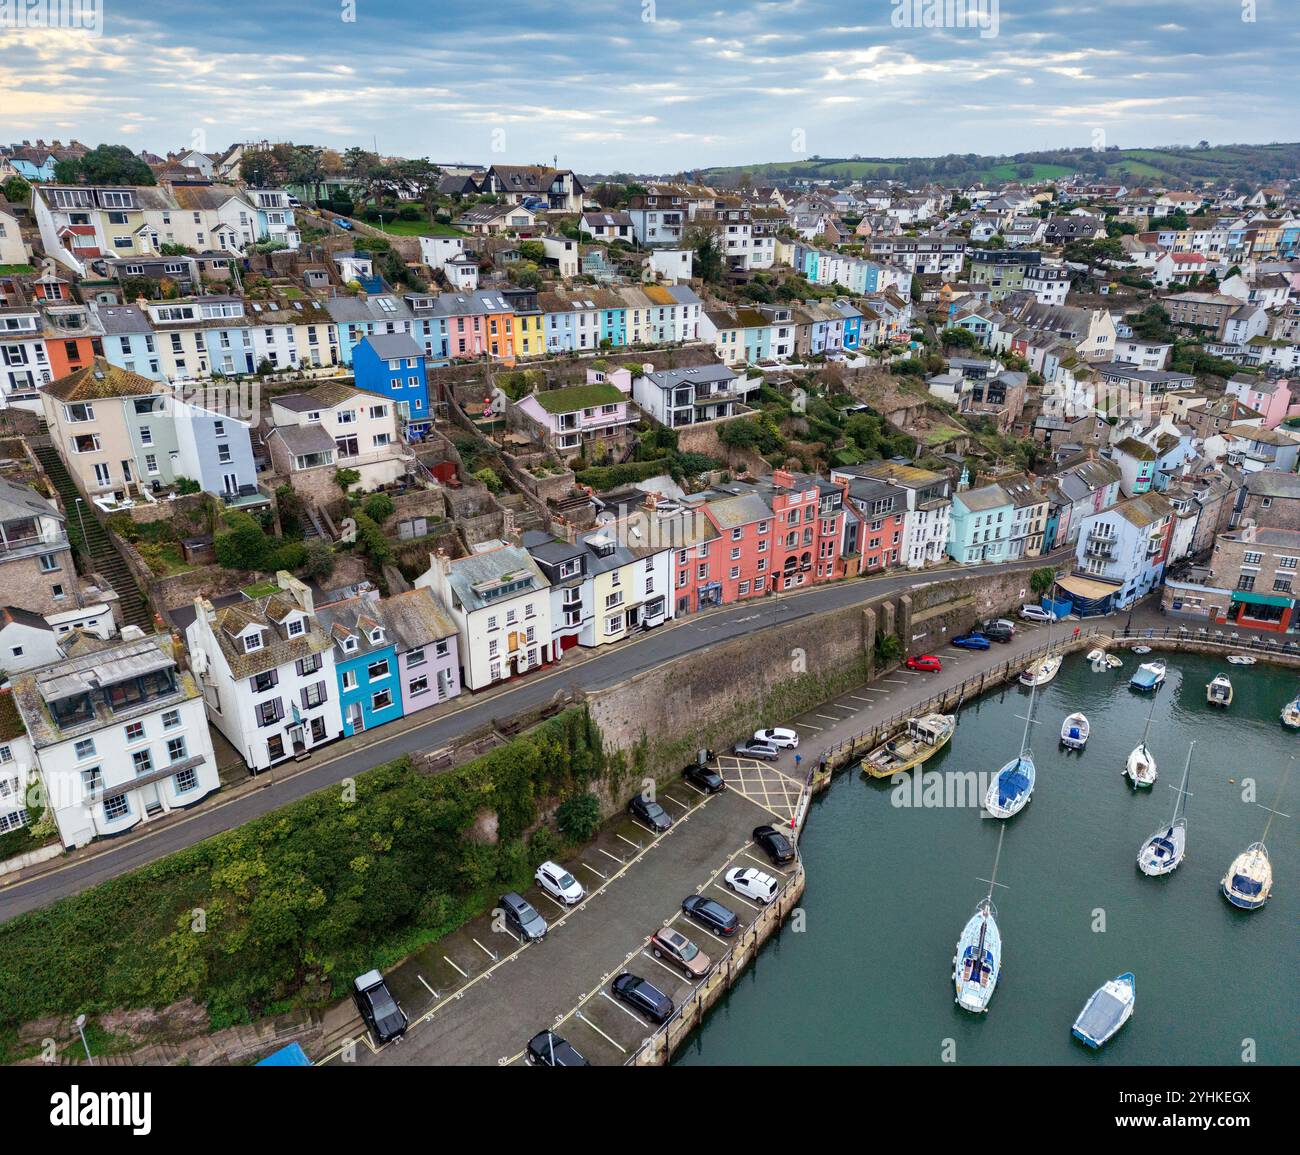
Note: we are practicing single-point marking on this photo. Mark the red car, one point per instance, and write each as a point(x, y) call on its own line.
point(926, 663)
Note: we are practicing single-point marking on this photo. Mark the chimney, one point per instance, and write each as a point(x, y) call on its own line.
point(440, 561)
point(203, 609)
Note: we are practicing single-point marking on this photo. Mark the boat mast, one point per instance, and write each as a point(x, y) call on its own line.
point(1150, 714)
point(988, 900)
point(1182, 787)
point(1273, 810)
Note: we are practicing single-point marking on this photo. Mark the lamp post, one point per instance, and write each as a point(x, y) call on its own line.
point(82, 523)
point(81, 1030)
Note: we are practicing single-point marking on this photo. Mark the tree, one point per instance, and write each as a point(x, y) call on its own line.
point(708, 257)
point(345, 478)
point(258, 168)
point(16, 190)
point(244, 545)
point(888, 649)
point(320, 560)
point(578, 817)
point(488, 477)
point(1042, 580)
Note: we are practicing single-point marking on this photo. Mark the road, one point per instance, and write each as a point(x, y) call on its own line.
point(605, 669)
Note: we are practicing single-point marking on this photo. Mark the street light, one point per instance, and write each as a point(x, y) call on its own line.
point(81, 1030)
point(81, 523)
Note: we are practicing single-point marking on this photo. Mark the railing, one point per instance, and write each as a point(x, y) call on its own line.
point(1201, 635)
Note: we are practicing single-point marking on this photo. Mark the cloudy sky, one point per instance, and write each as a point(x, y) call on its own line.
point(656, 85)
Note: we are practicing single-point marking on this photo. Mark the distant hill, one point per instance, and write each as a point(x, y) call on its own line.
point(1253, 164)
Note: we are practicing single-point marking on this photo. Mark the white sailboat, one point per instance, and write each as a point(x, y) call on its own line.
point(1110, 1007)
point(978, 961)
point(1249, 880)
point(1141, 764)
point(1163, 851)
point(1040, 673)
point(1291, 714)
point(1013, 785)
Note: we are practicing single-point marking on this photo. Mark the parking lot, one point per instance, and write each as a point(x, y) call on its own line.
point(478, 995)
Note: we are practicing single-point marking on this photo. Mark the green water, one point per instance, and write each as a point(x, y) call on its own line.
point(889, 889)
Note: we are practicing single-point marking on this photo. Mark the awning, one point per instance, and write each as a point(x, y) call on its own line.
point(1260, 599)
point(1083, 587)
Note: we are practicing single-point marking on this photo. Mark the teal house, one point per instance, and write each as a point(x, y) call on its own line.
point(365, 663)
point(980, 528)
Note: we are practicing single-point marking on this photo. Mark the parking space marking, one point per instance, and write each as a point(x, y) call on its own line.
point(683, 805)
point(627, 1011)
point(464, 974)
point(426, 986)
point(485, 950)
point(639, 826)
point(895, 681)
point(732, 894)
point(601, 1033)
point(842, 706)
point(858, 698)
point(660, 963)
point(763, 863)
point(557, 905)
point(827, 717)
point(809, 726)
point(594, 871)
point(629, 841)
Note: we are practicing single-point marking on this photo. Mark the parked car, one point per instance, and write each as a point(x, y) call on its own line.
point(523, 916)
point(644, 996)
point(997, 632)
point(785, 739)
point(547, 1049)
point(926, 663)
point(711, 915)
point(383, 1016)
point(343, 224)
point(753, 748)
point(651, 813)
point(1036, 614)
point(752, 883)
point(704, 778)
point(998, 624)
point(777, 846)
point(559, 883)
point(676, 947)
point(971, 642)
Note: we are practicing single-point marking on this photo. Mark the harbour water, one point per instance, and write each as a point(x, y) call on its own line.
point(868, 978)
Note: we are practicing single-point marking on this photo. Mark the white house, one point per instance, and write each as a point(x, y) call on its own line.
point(450, 255)
point(17, 766)
point(27, 640)
point(120, 735)
point(266, 669)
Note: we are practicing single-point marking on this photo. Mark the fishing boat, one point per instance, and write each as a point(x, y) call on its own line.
point(978, 961)
point(1249, 880)
point(1163, 851)
point(1074, 731)
point(1110, 1007)
point(1149, 676)
point(1141, 764)
point(1040, 673)
point(1242, 659)
point(1218, 692)
point(920, 739)
point(1291, 714)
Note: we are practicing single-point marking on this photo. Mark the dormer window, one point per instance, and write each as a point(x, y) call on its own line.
point(252, 641)
point(376, 636)
point(295, 627)
point(349, 644)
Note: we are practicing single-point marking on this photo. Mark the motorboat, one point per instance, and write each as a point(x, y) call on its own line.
point(1218, 692)
point(920, 739)
point(1040, 673)
point(1163, 851)
point(1149, 676)
point(1074, 731)
point(1110, 1007)
point(1291, 714)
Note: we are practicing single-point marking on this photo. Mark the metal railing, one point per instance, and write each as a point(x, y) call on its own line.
point(1201, 635)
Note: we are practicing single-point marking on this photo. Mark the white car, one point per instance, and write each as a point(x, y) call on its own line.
point(752, 883)
point(1036, 614)
point(559, 883)
point(782, 739)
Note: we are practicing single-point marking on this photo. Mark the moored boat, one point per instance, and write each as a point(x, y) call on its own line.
point(1249, 880)
point(1163, 851)
point(1110, 1007)
point(1141, 763)
point(1041, 672)
point(978, 961)
point(1291, 714)
point(922, 738)
point(1075, 730)
point(1012, 786)
point(1242, 659)
point(1218, 692)
point(1149, 676)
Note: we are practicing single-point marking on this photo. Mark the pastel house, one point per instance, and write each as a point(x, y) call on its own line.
point(392, 365)
point(428, 652)
point(365, 663)
point(581, 419)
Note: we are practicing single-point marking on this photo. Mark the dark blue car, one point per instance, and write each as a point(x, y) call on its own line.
point(971, 642)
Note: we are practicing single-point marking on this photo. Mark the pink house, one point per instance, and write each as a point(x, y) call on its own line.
point(1272, 399)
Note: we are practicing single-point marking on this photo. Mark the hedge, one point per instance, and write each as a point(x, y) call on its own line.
point(294, 904)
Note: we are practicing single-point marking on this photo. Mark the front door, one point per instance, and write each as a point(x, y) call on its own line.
point(356, 718)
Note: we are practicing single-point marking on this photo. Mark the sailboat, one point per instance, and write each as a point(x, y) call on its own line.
point(978, 961)
point(1249, 880)
point(1013, 785)
point(1110, 1008)
point(1163, 851)
point(1291, 714)
point(1141, 764)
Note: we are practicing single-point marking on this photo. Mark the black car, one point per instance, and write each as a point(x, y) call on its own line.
point(776, 844)
point(712, 915)
point(997, 633)
point(547, 1049)
point(644, 996)
point(651, 813)
point(704, 778)
point(378, 1007)
point(523, 916)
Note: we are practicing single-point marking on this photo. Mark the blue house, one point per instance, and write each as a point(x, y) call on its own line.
point(33, 164)
point(392, 365)
point(365, 663)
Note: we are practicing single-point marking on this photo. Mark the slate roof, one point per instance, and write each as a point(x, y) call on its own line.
point(1273, 483)
point(22, 501)
point(414, 619)
point(505, 561)
point(985, 498)
point(278, 648)
point(393, 346)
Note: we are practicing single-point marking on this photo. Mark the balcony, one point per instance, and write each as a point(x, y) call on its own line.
point(15, 543)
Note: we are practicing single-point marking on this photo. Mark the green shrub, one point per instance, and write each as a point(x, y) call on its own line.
point(320, 560)
point(578, 817)
point(244, 544)
point(379, 507)
point(488, 477)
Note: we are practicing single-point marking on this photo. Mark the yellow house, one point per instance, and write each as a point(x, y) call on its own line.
point(530, 333)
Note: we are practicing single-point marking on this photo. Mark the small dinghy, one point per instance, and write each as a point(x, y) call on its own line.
point(1110, 1007)
point(1141, 649)
point(1141, 764)
point(1149, 676)
point(1074, 731)
point(1218, 692)
point(1291, 714)
point(1095, 656)
point(1163, 851)
point(1040, 673)
point(1242, 659)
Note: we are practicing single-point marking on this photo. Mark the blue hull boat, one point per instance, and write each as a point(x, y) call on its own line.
point(1149, 676)
point(1110, 1008)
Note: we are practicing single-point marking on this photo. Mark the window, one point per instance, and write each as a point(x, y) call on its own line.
point(269, 712)
point(274, 747)
point(295, 627)
point(349, 679)
point(135, 731)
point(116, 807)
point(223, 453)
point(142, 762)
point(1246, 582)
point(6, 755)
point(377, 670)
point(171, 719)
point(1287, 562)
point(92, 780)
point(418, 686)
point(253, 642)
point(264, 681)
point(441, 649)
point(1252, 559)
point(1282, 585)
point(381, 700)
point(313, 695)
point(186, 781)
point(309, 665)
point(176, 749)
point(85, 749)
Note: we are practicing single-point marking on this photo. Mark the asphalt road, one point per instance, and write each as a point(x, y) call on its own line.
point(597, 672)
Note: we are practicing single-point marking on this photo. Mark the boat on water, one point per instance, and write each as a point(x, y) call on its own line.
point(1149, 676)
point(1012, 787)
point(978, 961)
point(1141, 763)
point(1110, 1007)
point(922, 738)
point(1218, 692)
point(1163, 851)
point(1141, 649)
point(1250, 878)
point(1075, 730)
point(1102, 661)
point(1040, 673)
point(1242, 659)
point(1291, 714)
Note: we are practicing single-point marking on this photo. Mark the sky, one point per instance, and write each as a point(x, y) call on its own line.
point(656, 86)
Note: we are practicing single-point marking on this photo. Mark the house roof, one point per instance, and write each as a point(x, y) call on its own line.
point(22, 501)
point(1135, 448)
point(415, 619)
point(277, 649)
point(1273, 483)
point(393, 346)
point(575, 397)
point(100, 380)
point(1143, 510)
point(985, 498)
point(469, 576)
point(326, 395)
point(741, 509)
point(303, 440)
